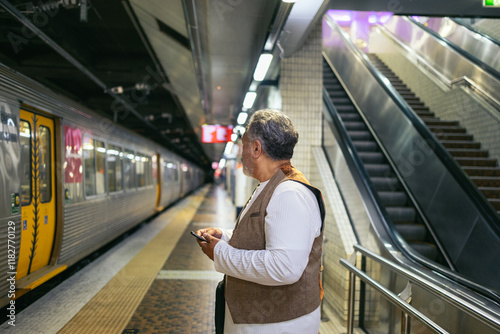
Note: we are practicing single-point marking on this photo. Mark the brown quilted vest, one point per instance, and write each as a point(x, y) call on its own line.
point(252, 303)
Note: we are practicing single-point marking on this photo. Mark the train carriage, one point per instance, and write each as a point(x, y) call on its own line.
point(71, 181)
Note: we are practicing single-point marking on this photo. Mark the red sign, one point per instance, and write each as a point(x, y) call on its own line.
point(216, 133)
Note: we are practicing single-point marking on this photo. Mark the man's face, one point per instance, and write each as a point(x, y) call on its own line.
point(246, 157)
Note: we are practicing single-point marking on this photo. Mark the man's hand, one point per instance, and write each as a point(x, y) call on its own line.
point(212, 235)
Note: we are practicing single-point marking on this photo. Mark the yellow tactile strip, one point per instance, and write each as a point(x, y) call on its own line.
point(111, 309)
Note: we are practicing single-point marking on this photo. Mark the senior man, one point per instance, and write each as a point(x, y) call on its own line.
point(272, 258)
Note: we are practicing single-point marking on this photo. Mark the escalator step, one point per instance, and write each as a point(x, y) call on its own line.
point(485, 181)
point(365, 146)
point(411, 232)
point(350, 117)
point(345, 108)
point(401, 214)
point(336, 93)
point(378, 169)
point(460, 144)
point(421, 108)
point(415, 105)
point(438, 122)
point(355, 125)
point(484, 162)
point(495, 202)
point(411, 99)
point(426, 249)
point(386, 183)
point(440, 128)
point(360, 135)
point(482, 171)
point(341, 100)
point(491, 192)
point(454, 136)
point(330, 87)
point(463, 152)
point(393, 198)
point(372, 157)
point(424, 113)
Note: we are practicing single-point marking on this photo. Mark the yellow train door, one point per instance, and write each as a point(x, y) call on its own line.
point(38, 198)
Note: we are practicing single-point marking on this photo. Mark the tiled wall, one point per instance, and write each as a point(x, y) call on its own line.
point(301, 89)
point(459, 104)
point(301, 83)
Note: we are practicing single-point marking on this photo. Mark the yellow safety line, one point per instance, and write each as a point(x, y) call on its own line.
point(113, 307)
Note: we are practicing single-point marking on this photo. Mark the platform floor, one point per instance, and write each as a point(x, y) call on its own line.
point(155, 281)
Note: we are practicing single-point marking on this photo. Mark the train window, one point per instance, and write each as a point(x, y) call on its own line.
point(129, 169)
point(115, 157)
point(101, 165)
point(25, 139)
point(155, 162)
point(144, 170)
point(94, 159)
point(45, 169)
point(175, 171)
point(89, 165)
point(167, 172)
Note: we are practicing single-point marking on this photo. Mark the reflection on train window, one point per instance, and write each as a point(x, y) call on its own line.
point(94, 160)
point(129, 169)
point(45, 164)
point(89, 165)
point(25, 139)
point(144, 170)
point(101, 165)
point(167, 172)
point(176, 172)
point(115, 157)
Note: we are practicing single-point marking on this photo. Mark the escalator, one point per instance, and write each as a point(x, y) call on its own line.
point(405, 195)
point(402, 213)
point(482, 169)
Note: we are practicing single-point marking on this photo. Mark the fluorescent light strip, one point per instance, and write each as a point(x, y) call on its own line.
point(249, 100)
point(262, 66)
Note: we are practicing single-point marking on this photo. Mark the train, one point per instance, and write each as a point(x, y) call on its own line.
point(71, 181)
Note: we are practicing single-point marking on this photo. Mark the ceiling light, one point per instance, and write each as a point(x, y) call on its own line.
point(242, 118)
point(262, 66)
point(249, 100)
point(229, 148)
point(289, 1)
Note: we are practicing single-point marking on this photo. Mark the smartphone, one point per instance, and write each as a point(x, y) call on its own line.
point(197, 236)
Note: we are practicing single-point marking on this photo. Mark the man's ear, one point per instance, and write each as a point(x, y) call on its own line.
point(256, 149)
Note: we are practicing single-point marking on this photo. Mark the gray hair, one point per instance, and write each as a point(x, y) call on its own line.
point(275, 132)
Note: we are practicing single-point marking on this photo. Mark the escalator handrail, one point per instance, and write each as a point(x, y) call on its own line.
point(348, 149)
point(485, 67)
point(474, 30)
point(459, 302)
point(489, 214)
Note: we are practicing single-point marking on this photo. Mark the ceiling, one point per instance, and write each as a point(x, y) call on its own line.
point(162, 68)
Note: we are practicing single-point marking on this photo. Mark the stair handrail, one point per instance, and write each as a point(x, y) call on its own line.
point(491, 319)
point(446, 158)
point(394, 299)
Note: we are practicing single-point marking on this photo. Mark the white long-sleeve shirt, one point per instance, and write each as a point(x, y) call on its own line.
point(292, 223)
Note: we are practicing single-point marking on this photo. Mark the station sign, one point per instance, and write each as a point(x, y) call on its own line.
point(216, 133)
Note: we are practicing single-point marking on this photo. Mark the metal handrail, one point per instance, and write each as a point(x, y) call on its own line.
point(456, 300)
point(391, 297)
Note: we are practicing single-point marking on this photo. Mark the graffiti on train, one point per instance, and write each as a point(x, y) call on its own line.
point(8, 126)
